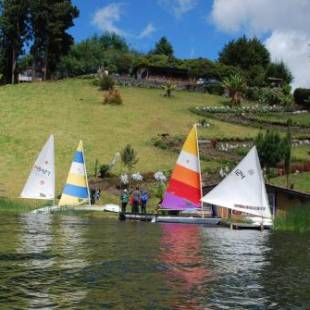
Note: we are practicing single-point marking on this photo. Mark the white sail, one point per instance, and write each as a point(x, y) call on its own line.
point(41, 181)
point(243, 189)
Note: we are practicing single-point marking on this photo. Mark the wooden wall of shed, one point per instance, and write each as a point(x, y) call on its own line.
point(285, 201)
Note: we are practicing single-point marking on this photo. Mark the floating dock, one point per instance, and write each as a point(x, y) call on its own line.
point(170, 219)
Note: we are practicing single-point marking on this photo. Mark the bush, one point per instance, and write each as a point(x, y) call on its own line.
point(252, 93)
point(275, 96)
point(104, 171)
point(301, 96)
point(106, 82)
point(214, 89)
point(113, 97)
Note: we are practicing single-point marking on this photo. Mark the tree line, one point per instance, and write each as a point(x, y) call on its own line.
point(246, 57)
point(38, 27)
point(34, 33)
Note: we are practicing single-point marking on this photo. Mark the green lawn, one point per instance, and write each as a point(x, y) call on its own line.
point(301, 153)
point(302, 119)
point(72, 110)
point(301, 181)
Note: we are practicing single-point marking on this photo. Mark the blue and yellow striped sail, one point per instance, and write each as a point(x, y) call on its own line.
point(76, 190)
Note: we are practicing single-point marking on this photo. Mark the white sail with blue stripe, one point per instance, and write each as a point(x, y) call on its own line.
point(76, 191)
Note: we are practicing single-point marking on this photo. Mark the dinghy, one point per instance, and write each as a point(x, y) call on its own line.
point(41, 181)
point(184, 190)
point(76, 190)
point(244, 190)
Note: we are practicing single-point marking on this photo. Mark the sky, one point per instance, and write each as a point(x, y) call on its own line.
point(200, 28)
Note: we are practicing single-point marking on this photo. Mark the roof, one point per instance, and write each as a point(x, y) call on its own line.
point(288, 191)
point(164, 69)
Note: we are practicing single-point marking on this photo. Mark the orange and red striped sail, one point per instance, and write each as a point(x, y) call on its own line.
point(184, 189)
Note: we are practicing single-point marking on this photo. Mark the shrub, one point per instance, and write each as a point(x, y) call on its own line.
point(301, 96)
point(252, 93)
point(214, 89)
point(106, 82)
point(104, 171)
point(113, 97)
point(275, 96)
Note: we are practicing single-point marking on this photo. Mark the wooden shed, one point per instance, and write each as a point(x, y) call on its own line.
point(280, 199)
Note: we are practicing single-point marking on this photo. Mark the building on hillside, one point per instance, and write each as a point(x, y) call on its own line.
point(275, 82)
point(28, 76)
point(162, 74)
point(281, 199)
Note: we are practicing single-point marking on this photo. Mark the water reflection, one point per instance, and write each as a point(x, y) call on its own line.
point(237, 259)
point(52, 245)
point(84, 262)
point(186, 272)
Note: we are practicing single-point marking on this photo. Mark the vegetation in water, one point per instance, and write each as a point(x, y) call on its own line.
point(297, 219)
point(16, 206)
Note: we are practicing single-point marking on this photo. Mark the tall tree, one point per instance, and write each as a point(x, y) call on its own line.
point(14, 24)
point(279, 70)
point(163, 47)
point(245, 53)
point(50, 21)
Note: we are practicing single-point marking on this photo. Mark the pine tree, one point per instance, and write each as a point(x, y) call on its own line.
point(50, 21)
point(163, 47)
point(14, 24)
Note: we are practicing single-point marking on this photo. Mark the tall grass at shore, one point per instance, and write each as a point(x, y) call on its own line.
point(16, 206)
point(296, 220)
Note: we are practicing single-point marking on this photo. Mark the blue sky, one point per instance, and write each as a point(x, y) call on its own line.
point(186, 24)
point(200, 28)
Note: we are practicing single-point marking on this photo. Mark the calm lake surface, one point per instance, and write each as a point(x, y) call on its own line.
point(83, 262)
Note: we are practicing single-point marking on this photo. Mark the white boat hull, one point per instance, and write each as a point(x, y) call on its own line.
point(52, 209)
point(187, 220)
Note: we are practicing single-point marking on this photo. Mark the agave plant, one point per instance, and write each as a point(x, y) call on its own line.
point(235, 84)
point(169, 88)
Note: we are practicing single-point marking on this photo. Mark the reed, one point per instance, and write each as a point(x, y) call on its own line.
point(16, 206)
point(297, 219)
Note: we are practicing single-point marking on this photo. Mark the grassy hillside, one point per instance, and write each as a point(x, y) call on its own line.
point(301, 181)
point(72, 110)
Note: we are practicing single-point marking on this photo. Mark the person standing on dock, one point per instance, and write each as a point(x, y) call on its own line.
point(144, 200)
point(124, 200)
point(136, 196)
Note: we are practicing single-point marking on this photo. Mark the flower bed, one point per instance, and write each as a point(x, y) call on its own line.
point(241, 109)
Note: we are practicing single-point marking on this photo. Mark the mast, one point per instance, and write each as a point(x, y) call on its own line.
point(86, 179)
point(198, 156)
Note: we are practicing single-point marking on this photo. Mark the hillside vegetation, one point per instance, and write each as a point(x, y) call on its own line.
point(72, 110)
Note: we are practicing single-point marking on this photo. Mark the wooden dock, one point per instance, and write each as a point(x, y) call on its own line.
point(169, 219)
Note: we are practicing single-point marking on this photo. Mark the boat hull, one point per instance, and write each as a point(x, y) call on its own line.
point(52, 209)
point(187, 220)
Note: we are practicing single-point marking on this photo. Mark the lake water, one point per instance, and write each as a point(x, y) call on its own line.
point(83, 262)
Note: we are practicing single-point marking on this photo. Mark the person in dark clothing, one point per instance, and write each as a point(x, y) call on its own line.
point(124, 200)
point(144, 200)
point(92, 196)
point(136, 195)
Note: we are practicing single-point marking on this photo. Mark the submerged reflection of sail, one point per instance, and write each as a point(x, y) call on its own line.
point(35, 249)
point(186, 273)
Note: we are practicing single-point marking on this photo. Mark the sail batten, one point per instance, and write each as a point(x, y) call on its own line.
point(76, 190)
point(41, 181)
point(184, 188)
point(243, 189)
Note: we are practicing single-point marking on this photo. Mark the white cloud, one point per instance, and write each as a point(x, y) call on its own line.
point(178, 7)
point(149, 29)
point(106, 18)
point(286, 22)
point(292, 48)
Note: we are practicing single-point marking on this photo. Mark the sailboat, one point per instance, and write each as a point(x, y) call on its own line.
point(244, 190)
point(184, 191)
point(41, 181)
point(76, 190)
